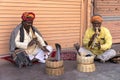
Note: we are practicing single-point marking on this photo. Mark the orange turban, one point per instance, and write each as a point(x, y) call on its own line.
point(28, 16)
point(96, 18)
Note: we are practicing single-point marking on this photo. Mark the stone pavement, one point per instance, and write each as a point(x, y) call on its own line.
point(104, 71)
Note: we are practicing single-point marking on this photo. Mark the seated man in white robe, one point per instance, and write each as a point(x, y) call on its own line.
point(26, 36)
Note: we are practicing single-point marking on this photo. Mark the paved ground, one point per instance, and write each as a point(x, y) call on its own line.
point(106, 71)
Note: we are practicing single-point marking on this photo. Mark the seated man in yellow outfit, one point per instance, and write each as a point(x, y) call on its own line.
point(98, 40)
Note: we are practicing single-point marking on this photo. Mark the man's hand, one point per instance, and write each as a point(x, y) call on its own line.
point(45, 49)
point(92, 39)
point(98, 45)
point(33, 41)
point(90, 43)
point(42, 47)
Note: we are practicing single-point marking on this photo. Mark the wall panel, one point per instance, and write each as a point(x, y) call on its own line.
point(57, 20)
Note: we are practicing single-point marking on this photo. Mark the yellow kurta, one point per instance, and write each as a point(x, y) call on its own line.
point(104, 38)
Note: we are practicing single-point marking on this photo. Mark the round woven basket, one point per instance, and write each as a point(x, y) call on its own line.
point(54, 64)
point(85, 60)
point(86, 68)
point(54, 67)
point(55, 71)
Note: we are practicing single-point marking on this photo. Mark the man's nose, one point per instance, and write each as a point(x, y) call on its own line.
point(29, 23)
point(97, 25)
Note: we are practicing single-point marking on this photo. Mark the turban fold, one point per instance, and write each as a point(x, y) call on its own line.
point(96, 18)
point(28, 16)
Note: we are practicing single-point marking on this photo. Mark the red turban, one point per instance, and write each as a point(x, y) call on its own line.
point(28, 16)
point(96, 18)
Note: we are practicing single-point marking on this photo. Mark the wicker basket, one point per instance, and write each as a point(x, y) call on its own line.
point(85, 60)
point(54, 64)
point(54, 68)
point(55, 71)
point(86, 68)
point(85, 64)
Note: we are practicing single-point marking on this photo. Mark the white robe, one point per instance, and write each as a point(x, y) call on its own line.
point(34, 51)
point(108, 54)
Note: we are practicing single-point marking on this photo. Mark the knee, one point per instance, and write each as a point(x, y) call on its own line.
point(113, 51)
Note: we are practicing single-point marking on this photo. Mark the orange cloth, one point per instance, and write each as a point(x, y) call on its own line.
point(96, 18)
point(28, 16)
